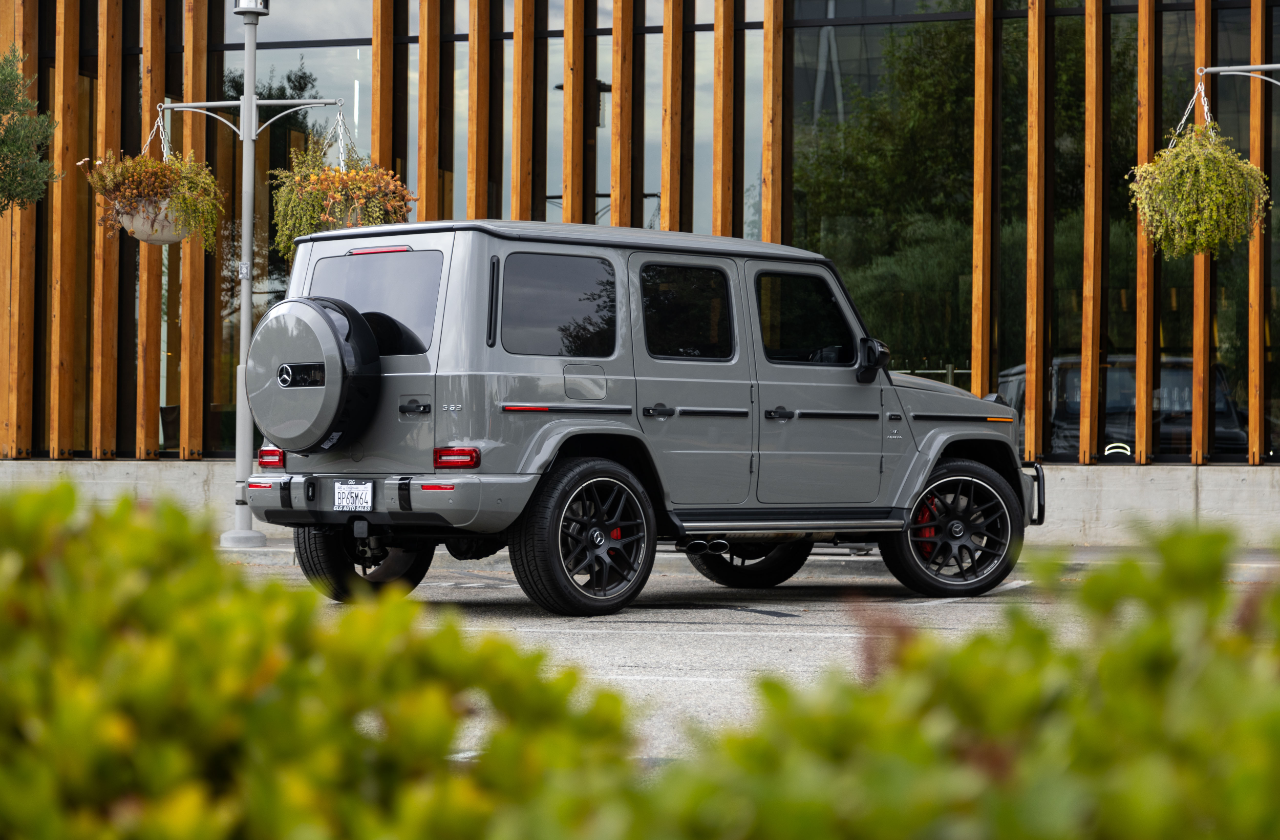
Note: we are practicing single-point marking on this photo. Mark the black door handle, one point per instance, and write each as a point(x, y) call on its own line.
point(416, 408)
point(659, 410)
point(779, 413)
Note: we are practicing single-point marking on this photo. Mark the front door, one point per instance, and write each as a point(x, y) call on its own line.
point(820, 432)
point(693, 375)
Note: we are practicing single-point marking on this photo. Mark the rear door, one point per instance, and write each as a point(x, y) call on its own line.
point(693, 375)
point(820, 436)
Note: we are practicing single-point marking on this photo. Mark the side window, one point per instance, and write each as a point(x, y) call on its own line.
point(801, 321)
point(396, 291)
point(686, 312)
point(555, 305)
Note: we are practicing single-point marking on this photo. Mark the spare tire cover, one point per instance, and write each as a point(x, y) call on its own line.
point(314, 374)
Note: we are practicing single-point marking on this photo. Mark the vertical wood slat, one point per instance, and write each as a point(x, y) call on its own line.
point(428, 151)
point(149, 256)
point(771, 139)
point(1257, 247)
point(672, 70)
point(64, 225)
point(195, 25)
point(522, 111)
point(722, 121)
point(1145, 345)
point(478, 110)
point(1200, 327)
point(106, 250)
point(1094, 196)
point(383, 95)
point(1037, 163)
point(620, 153)
point(21, 269)
point(572, 201)
point(983, 193)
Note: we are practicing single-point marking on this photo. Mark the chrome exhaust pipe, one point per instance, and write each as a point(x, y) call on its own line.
point(717, 547)
point(696, 547)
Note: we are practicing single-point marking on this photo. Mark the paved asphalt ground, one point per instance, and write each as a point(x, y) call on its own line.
point(688, 652)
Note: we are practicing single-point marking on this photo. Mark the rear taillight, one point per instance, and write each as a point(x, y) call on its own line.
point(270, 457)
point(457, 458)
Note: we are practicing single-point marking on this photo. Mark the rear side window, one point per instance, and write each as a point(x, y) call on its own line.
point(555, 305)
point(686, 312)
point(396, 292)
point(801, 321)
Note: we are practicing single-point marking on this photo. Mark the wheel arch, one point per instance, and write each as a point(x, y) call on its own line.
point(989, 448)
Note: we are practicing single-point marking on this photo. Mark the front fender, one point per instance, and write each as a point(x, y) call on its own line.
point(929, 453)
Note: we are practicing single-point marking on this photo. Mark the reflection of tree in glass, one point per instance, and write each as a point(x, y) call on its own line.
point(686, 312)
point(593, 335)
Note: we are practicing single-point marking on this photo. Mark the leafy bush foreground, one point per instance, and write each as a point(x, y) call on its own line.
point(147, 691)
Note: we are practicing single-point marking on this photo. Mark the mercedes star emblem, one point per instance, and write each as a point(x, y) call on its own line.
point(284, 376)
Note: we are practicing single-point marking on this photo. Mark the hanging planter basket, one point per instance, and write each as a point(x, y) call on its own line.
point(312, 196)
point(159, 202)
point(1199, 195)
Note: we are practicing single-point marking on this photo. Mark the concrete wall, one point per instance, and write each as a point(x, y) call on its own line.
point(1100, 505)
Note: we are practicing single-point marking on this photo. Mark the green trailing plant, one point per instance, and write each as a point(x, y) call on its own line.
point(1199, 195)
point(25, 170)
point(139, 186)
point(312, 196)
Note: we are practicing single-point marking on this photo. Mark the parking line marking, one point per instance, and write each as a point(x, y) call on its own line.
point(673, 632)
point(663, 678)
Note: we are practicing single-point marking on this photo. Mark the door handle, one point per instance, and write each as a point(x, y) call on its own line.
point(779, 413)
point(659, 410)
point(416, 408)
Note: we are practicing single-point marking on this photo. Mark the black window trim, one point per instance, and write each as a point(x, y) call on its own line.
point(853, 327)
point(733, 357)
point(501, 298)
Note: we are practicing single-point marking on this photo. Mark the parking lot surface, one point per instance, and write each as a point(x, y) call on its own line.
point(688, 652)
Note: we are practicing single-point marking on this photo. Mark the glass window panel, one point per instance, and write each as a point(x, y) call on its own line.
point(652, 128)
point(703, 44)
point(504, 176)
point(1271, 291)
point(313, 20)
point(753, 11)
point(811, 9)
point(555, 15)
point(686, 312)
point(395, 292)
point(604, 128)
point(411, 165)
point(704, 11)
point(555, 128)
point(555, 305)
point(752, 130)
point(1118, 396)
point(652, 12)
point(458, 25)
point(1009, 343)
point(453, 181)
point(801, 321)
point(1229, 290)
point(883, 179)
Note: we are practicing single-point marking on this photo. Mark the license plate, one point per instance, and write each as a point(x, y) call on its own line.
point(353, 495)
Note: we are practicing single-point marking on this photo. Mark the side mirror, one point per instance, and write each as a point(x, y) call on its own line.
point(873, 356)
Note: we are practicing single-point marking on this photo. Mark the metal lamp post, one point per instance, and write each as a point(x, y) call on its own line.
point(243, 534)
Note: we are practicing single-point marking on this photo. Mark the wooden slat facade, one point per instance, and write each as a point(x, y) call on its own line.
point(1146, 304)
point(63, 228)
point(620, 174)
point(195, 25)
point(1258, 96)
point(428, 151)
point(1094, 198)
point(984, 195)
point(106, 249)
point(150, 266)
point(573, 202)
point(1201, 333)
point(1038, 163)
point(772, 139)
point(672, 99)
point(383, 98)
point(722, 121)
point(478, 46)
point(522, 98)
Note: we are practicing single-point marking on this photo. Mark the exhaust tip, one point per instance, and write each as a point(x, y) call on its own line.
point(717, 547)
point(696, 547)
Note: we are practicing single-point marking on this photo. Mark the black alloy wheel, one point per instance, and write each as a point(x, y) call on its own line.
point(964, 534)
point(753, 565)
point(334, 563)
point(585, 544)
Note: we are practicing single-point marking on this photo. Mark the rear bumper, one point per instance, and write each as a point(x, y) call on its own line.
point(1033, 492)
point(482, 504)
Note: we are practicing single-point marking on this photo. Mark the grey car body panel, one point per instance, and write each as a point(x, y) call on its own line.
point(469, 384)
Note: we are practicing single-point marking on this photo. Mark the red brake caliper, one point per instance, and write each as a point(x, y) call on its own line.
point(926, 515)
point(615, 534)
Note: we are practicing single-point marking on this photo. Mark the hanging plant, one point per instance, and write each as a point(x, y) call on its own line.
point(160, 202)
point(313, 196)
point(1199, 195)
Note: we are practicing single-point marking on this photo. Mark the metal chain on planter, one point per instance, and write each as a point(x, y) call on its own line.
point(1204, 100)
point(166, 150)
point(342, 135)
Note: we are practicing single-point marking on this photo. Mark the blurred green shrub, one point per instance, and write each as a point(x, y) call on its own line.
point(146, 691)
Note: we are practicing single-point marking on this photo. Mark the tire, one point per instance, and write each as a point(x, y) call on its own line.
point(585, 543)
point(773, 566)
point(980, 505)
point(332, 566)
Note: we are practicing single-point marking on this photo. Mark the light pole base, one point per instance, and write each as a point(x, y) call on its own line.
point(243, 539)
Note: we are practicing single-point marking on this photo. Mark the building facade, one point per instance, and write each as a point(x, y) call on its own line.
point(963, 162)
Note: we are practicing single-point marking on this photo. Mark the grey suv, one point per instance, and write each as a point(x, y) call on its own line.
point(576, 393)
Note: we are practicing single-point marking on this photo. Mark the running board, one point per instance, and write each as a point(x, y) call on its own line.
point(737, 521)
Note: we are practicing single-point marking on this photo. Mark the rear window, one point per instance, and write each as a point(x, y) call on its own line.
point(554, 305)
point(396, 292)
